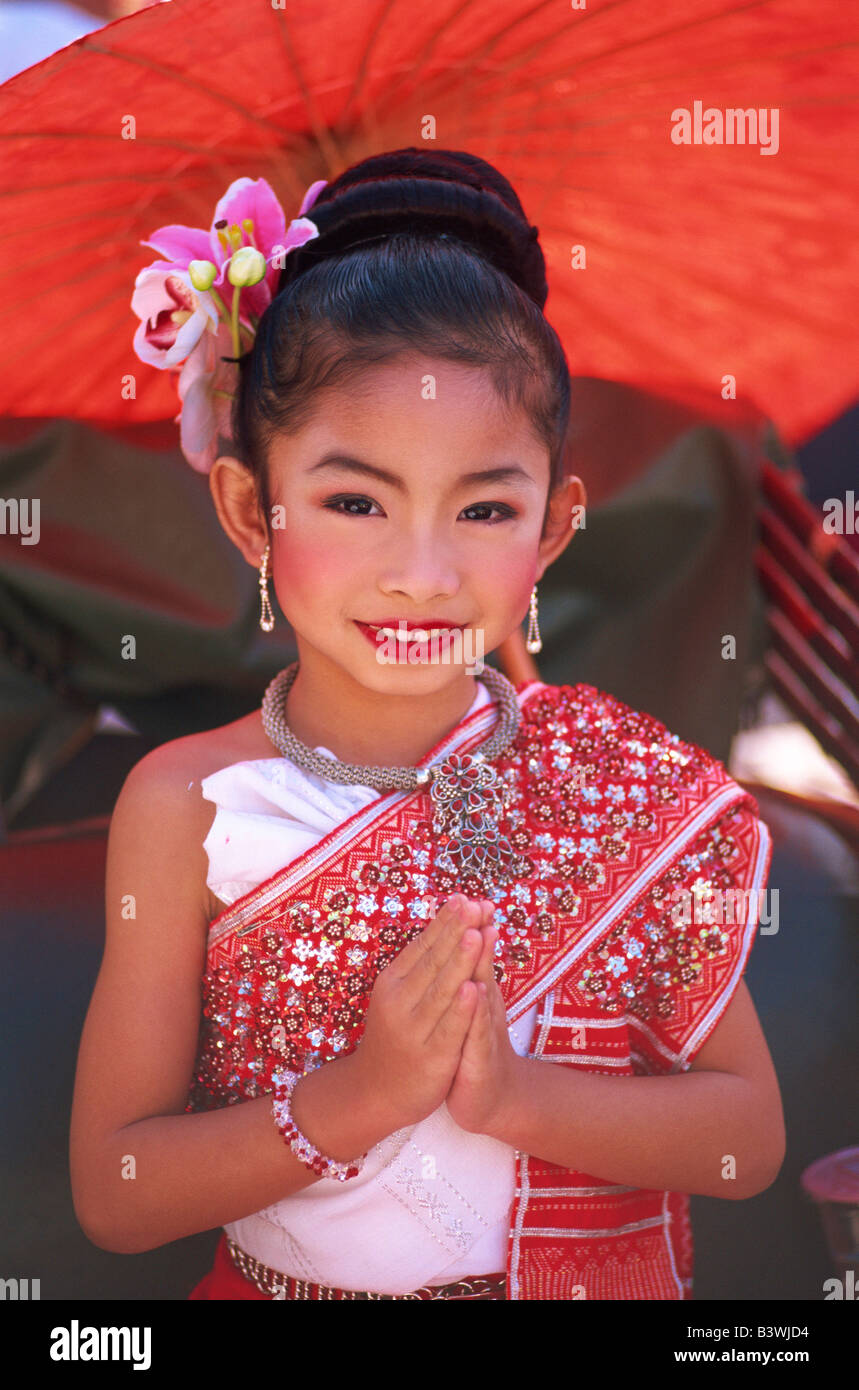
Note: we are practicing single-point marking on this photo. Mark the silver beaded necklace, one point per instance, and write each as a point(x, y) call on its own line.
point(468, 796)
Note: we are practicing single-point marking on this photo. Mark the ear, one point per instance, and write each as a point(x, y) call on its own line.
point(233, 491)
point(565, 515)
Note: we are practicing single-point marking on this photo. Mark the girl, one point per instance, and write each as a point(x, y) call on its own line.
point(472, 1021)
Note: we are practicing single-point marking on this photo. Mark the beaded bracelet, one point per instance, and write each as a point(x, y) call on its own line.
point(300, 1145)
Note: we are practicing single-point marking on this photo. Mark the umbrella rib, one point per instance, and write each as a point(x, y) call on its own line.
point(218, 157)
point(623, 334)
point(363, 65)
point(646, 39)
point(112, 180)
point(184, 80)
point(684, 73)
point(335, 154)
point(178, 199)
point(549, 40)
point(523, 58)
point(785, 311)
point(46, 335)
point(563, 126)
point(392, 94)
point(201, 152)
point(107, 296)
point(85, 276)
point(324, 137)
point(239, 153)
point(67, 219)
point(411, 72)
point(581, 98)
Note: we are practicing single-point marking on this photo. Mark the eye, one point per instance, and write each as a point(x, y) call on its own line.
point(338, 504)
point(506, 512)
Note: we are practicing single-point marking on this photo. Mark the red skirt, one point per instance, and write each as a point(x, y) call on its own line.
point(224, 1280)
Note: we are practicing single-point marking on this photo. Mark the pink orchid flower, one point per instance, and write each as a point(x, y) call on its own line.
point(174, 315)
point(181, 324)
point(254, 200)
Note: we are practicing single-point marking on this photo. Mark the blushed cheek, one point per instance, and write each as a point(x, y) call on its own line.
point(308, 567)
point(512, 582)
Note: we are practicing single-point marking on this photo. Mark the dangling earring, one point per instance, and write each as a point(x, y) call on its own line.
point(533, 642)
point(266, 620)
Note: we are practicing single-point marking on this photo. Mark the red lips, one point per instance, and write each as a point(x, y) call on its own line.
point(410, 623)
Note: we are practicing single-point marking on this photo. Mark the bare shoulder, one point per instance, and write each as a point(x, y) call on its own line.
point(161, 805)
point(141, 1032)
point(201, 754)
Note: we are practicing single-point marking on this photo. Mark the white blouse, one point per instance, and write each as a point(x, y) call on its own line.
point(432, 1202)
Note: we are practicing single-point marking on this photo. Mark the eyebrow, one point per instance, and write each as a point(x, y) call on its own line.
point(343, 463)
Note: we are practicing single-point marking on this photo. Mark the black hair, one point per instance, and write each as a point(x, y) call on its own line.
point(418, 250)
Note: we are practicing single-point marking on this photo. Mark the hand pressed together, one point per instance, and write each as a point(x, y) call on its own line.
point(484, 1086)
point(436, 1026)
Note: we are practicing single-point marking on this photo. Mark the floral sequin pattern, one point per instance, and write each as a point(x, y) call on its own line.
point(647, 960)
point(297, 992)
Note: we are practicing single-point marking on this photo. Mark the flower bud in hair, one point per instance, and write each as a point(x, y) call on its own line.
point(202, 274)
point(247, 267)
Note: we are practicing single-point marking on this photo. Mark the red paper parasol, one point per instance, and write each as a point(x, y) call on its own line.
point(698, 261)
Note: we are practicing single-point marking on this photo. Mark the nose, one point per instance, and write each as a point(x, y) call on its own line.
point(423, 569)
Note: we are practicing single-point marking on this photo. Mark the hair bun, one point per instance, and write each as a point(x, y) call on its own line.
point(439, 192)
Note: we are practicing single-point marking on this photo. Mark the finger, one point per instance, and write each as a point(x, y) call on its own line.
point(485, 975)
point(476, 1045)
point(484, 967)
point(450, 1031)
point(496, 1013)
point(448, 922)
point(434, 952)
point(439, 989)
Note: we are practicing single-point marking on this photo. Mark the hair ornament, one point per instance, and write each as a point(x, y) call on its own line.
point(200, 306)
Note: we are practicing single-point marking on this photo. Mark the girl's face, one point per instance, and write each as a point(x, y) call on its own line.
point(412, 496)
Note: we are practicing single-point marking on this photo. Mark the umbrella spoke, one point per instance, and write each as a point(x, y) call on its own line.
point(351, 110)
point(324, 138)
point(185, 79)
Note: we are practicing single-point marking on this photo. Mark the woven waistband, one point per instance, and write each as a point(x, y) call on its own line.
point(283, 1286)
